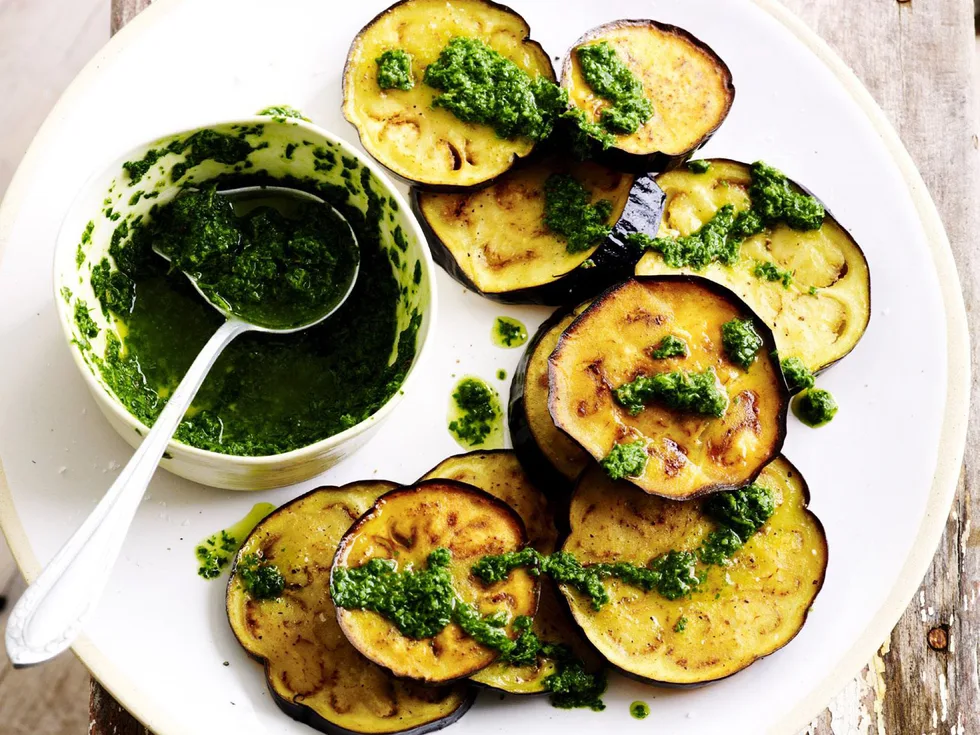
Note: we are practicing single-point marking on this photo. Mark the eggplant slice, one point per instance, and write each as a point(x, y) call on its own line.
point(819, 327)
point(314, 674)
point(410, 523)
point(549, 456)
point(401, 129)
point(499, 473)
point(688, 85)
point(609, 345)
point(743, 611)
point(495, 240)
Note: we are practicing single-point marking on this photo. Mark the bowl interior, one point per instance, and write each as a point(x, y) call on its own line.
point(280, 151)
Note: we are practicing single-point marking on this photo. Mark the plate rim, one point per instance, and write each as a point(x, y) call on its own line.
point(952, 442)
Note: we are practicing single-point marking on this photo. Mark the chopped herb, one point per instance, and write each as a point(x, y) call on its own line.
point(815, 407)
point(769, 271)
point(395, 70)
point(568, 213)
point(612, 80)
point(775, 201)
point(698, 393)
point(797, 376)
point(479, 85)
point(282, 112)
point(669, 346)
point(509, 332)
point(626, 460)
point(681, 625)
point(261, 580)
point(699, 166)
point(741, 342)
point(479, 412)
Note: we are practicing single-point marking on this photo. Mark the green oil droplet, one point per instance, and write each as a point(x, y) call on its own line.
point(215, 553)
point(501, 374)
point(508, 332)
point(475, 417)
point(639, 710)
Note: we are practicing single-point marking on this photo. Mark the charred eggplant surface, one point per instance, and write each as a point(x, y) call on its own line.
point(414, 527)
point(685, 90)
point(399, 125)
point(497, 240)
point(551, 457)
point(743, 609)
point(705, 420)
point(812, 287)
point(314, 674)
point(500, 474)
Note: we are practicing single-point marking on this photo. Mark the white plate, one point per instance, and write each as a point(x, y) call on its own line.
point(882, 474)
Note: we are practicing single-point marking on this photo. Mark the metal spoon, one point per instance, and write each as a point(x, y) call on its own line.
point(51, 613)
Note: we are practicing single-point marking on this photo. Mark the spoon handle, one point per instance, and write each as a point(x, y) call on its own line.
point(48, 617)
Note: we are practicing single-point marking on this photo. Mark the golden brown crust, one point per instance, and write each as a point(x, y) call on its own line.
point(410, 523)
point(422, 144)
point(820, 327)
point(314, 674)
point(742, 612)
point(609, 345)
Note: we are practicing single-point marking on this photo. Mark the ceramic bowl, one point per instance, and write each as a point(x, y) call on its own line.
point(282, 147)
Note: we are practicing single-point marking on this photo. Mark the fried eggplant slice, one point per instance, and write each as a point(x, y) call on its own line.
point(551, 458)
point(741, 612)
point(423, 144)
point(688, 86)
point(407, 525)
point(496, 242)
point(822, 313)
point(499, 473)
point(316, 676)
point(687, 453)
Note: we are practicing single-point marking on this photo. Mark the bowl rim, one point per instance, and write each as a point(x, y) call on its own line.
point(264, 461)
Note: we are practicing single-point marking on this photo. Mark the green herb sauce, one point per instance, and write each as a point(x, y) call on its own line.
point(797, 376)
point(681, 625)
point(87, 327)
point(719, 240)
point(625, 460)
point(283, 112)
point(269, 268)
point(669, 346)
point(395, 70)
point(479, 85)
point(475, 415)
point(741, 342)
point(421, 603)
point(699, 166)
point(697, 393)
point(501, 374)
point(612, 80)
point(262, 580)
point(215, 552)
point(204, 145)
point(815, 407)
point(738, 514)
point(508, 332)
point(769, 271)
point(640, 710)
point(568, 213)
point(267, 394)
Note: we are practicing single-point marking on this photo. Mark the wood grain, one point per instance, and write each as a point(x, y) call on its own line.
point(916, 58)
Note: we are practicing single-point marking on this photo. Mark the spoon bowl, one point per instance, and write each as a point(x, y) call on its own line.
point(244, 200)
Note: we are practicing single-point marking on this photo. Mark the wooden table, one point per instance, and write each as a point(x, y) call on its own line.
point(916, 58)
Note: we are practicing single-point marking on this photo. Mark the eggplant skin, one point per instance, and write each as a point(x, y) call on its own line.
point(551, 458)
point(314, 675)
point(820, 329)
point(688, 455)
point(499, 473)
point(408, 524)
point(689, 85)
point(774, 580)
point(611, 261)
point(416, 142)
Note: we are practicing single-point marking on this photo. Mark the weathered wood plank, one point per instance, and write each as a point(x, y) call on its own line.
point(919, 67)
point(916, 58)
